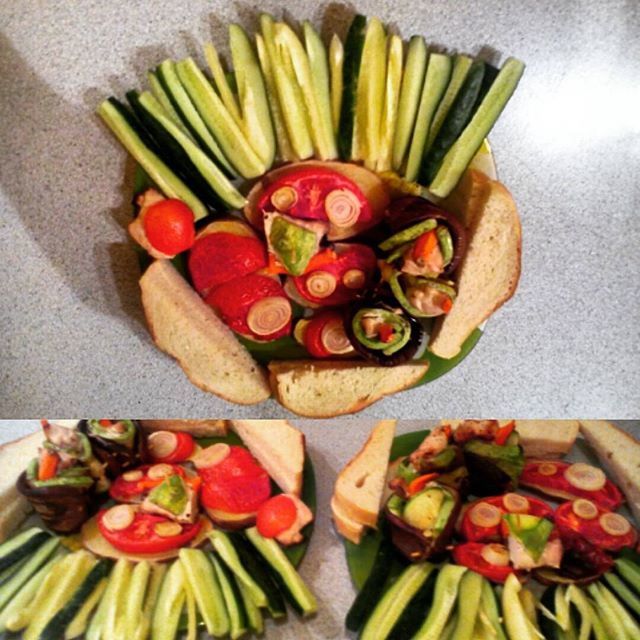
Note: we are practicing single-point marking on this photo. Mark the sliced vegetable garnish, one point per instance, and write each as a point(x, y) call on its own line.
point(484, 514)
point(489, 564)
point(119, 517)
point(354, 279)
point(284, 198)
point(342, 207)
point(584, 509)
point(585, 476)
point(496, 554)
point(211, 456)
point(171, 447)
point(321, 284)
point(381, 330)
point(269, 315)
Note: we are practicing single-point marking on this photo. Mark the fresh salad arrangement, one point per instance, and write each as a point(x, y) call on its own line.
point(149, 534)
point(461, 553)
point(309, 197)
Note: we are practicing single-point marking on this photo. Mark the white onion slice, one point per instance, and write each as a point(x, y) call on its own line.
point(159, 471)
point(584, 509)
point(133, 476)
point(515, 503)
point(334, 338)
point(484, 514)
point(586, 477)
point(615, 524)
point(495, 554)
point(119, 517)
point(269, 315)
point(284, 198)
point(342, 207)
point(162, 443)
point(211, 456)
point(167, 529)
point(547, 469)
point(354, 279)
point(321, 284)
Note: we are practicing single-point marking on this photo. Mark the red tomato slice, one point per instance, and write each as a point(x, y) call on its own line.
point(309, 188)
point(469, 555)
point(313, 334)
point(170, 226)
point(133, 491)
point(220, 257)
point(185, 444)
point(276, 515)
point(140, 537)
point(591, 529)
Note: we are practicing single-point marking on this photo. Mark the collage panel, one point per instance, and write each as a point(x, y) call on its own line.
point(167, 529)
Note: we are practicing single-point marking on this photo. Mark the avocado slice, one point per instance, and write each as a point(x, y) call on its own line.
point(171, 495)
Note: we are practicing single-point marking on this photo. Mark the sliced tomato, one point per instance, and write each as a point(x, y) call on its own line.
point(469, 555)
point(140, 536)
point(185, 444)
point(220, 257)
point(132, 491)
point(170, 226)
point(276, 515)
point(548, 477)
point(591, 529)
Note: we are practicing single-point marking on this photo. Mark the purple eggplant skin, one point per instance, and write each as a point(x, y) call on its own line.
point(63, 509)
point(409, 210)
point(412, 542)
point(116, 457)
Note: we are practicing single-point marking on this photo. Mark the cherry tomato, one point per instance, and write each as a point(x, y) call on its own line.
point(170, 226)
point(276, 515)
point(140, 536)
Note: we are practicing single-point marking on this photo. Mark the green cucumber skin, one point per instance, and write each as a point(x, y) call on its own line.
point(353, 47)
point(413, 615)
point(24, 550)
point(624, 593)
point(456, 120)
point(56, 626)
point(232, 597)
point(373, 588)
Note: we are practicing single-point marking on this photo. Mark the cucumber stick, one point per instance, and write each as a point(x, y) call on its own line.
point(390, 608)
point(410, 92)
point(336, 63)
point(252, 95)
point(190, 606)
point(134, 601)
point(221, 83)
point(11, 559)
point(353, 46)
point(631, 627)
point(232, 598)
point(10, 545)
point(623, 592)
point(516, 621)
point(461, 153)
point(461, 66)
point(489, 608)
point(156, 579)
point(206, 589)
point(168, 78)
point(225, 549)
point(119, 121)
point(78, 626)
point(284, 148)
point(169, 604)
point(284, 572)
point(116, 596)
point(64, 585)
point(319, 68)
point(289, 94)
point(444, 599)
point(391, 102)
point(291, 49)
point(200, 160)
point(13, 585)
point(225, 129)
point(163, 98)
point(371, 95)
point(435, 84)
point(255, 620)
point(469, 595)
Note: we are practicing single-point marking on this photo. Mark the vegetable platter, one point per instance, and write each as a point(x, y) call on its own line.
point(146, 532)
point(329, 210)
point(494, 544)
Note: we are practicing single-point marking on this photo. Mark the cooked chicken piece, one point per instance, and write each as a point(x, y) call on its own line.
point(470, 429)
point(522, 559)
point(432, 445)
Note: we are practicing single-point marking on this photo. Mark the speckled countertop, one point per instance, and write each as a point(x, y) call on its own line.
point(324, 567)
point(72, 338)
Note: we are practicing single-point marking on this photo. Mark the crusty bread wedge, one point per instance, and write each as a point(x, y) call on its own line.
point(619, 454)
point(541, 438)
point(279, 448)
point(360, 485)
point(197, 428)
point(345, 525)
point(329, 388)
point(186, 328)
point(14, 458)
point(490, 269)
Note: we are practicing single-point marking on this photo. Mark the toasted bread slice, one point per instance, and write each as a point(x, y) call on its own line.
point(197, 428)
point(360, 485)
point(279, 447)
point(541, 438)
point(186, 328)
point(328, 388)
point(14, 458)
point(619, 454)
point(346, 526)
point(488, 274)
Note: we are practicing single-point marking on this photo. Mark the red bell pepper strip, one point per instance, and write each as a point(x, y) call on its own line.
point(419, 483)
